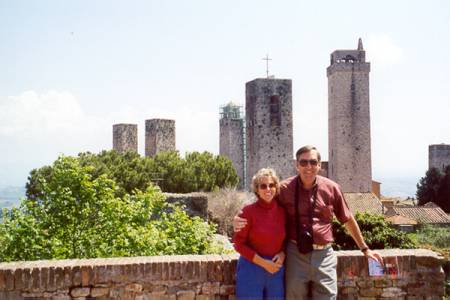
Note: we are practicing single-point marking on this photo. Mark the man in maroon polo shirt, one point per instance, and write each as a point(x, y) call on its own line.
point(309, 255)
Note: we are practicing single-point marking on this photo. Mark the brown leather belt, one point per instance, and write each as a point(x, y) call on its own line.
point(316, 246)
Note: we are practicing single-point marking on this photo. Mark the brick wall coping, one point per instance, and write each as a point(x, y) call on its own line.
point(417, 253)
point(92, 262)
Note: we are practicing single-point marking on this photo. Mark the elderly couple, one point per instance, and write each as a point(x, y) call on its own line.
point(292, 220)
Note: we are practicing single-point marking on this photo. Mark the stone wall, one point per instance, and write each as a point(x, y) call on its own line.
point(186, 277)
point(196, 203)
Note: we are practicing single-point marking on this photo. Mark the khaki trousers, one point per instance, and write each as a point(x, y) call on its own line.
point(318, 266)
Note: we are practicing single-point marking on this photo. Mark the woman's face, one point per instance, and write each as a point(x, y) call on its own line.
point(266, 188)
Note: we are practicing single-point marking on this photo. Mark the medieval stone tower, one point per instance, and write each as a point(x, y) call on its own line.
point(349, 120)
point(231, 127)
point(438, 156)
point(159, 136)
point(268, 119)
point(125, 137)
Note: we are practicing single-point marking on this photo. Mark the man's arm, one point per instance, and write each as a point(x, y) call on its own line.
point(352, 226)
point(238, 222)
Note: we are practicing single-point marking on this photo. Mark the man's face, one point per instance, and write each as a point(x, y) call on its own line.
point(308, 166)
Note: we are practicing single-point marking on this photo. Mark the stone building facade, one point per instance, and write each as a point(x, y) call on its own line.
point(159, 136)
point(349, 120)
point(231, 141)
point(125, 137)
point(268, 122)
point(438, 156)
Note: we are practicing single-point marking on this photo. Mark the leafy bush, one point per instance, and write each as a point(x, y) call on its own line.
point(377, 232)
point(78, 216)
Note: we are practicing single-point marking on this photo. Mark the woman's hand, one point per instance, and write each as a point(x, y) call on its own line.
point(279, 258)
point(266, 264)
point(271, 266)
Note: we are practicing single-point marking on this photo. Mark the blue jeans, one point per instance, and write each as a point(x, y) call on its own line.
point(253, 282)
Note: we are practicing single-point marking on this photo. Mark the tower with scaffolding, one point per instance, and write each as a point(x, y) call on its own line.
point(232, 138)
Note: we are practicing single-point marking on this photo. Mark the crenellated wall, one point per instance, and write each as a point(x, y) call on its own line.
point(192, 277)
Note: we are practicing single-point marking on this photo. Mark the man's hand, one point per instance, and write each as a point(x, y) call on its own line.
point(238, 223)
point(279, 258)
point(375, 255)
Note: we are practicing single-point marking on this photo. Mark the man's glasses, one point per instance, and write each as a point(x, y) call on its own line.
point(305, 162)
point(264, 186)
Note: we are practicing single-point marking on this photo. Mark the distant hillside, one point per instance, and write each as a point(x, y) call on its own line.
point(10, 196)
point(398, 187)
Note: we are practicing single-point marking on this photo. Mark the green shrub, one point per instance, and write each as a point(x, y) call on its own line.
point(77, 215)
point(434, 235)
point(377, 232)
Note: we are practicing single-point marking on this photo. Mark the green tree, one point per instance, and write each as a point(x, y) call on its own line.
point(78, 216)
point(428, 186)
point(444, 191)
point(435, 187)
point(172, 173)
point(377, 232)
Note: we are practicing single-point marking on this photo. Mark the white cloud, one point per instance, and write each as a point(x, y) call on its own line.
point(31, 113)
point(382, 51)
point(37, 127)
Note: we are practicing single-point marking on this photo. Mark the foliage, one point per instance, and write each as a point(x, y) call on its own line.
point(435, 187)
point(223, 205)
point(77, 215)
point(435, 236)
point(196, 172)
point(377, 232)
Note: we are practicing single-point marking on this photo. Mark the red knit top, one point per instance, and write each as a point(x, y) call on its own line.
point(265, 231)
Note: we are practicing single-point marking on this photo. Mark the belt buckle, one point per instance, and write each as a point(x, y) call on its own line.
point(321, 247)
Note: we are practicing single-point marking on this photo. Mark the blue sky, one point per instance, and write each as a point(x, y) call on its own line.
point(71, 69)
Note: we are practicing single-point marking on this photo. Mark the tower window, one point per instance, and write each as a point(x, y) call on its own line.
point(275, 112)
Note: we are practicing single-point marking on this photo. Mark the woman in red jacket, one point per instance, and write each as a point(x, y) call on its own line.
point(260, 270)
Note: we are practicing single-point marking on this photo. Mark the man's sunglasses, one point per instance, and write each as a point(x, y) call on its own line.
point(264, 186)
point(305, 162)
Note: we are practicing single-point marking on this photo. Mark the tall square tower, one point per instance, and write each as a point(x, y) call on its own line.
point(232, 138)
point(125, 137)
point(268, 121)
point(159, 136)
point(349, 120)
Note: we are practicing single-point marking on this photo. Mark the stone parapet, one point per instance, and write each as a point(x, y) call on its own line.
point(420, 276)
point(196, 204)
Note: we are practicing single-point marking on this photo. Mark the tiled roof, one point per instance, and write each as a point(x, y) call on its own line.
point(401, 220)
point(429, 214)
point(363, 202)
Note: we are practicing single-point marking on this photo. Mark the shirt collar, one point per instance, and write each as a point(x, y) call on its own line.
point(316, 183)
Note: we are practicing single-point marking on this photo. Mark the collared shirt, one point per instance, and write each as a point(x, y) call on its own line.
point(265, 231)
point(330, 201)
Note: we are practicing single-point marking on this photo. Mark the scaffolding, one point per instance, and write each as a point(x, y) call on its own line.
point(231, 111)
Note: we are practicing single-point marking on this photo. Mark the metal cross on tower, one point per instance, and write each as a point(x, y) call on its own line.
point(267, 64)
